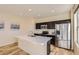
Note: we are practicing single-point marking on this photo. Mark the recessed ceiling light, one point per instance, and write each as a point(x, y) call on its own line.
point(29, 9)
point(39, 15)
point(52, 11)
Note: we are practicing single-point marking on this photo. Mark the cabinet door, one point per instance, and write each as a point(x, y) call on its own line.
point(38, 26)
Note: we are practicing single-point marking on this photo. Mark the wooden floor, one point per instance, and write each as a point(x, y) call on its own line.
point(60, 51)
point(13, 49)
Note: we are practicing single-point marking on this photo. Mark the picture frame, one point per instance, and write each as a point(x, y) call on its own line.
point(15, 26)
point(1, 26)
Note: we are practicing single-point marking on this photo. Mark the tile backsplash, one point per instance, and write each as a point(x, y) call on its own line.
point(51, 31)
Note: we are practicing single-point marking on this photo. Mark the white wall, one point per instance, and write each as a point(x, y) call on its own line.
point(7, 36)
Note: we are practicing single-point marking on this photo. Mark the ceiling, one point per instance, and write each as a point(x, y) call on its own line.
point(35, 10)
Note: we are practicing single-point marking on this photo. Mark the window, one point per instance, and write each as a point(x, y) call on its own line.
point(76, 26)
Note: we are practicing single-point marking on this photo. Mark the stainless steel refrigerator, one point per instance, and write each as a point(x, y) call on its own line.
point(63, 35)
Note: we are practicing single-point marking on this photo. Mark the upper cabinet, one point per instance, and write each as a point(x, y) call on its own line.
point(46, 25)
point(50, 25)
point(38, 26)
point(41, 25)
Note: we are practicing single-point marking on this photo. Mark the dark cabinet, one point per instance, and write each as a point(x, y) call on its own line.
point(38, 26)
point(50, 25)
point(41, 25)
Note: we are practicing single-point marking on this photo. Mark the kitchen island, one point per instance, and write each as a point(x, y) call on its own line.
point(35, 45)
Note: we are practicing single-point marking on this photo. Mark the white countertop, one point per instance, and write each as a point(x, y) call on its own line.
point(36, 39)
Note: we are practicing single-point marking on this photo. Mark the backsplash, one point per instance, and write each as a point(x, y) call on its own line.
point(51, 31)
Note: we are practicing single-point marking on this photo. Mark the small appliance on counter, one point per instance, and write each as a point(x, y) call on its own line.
point(45, 32)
